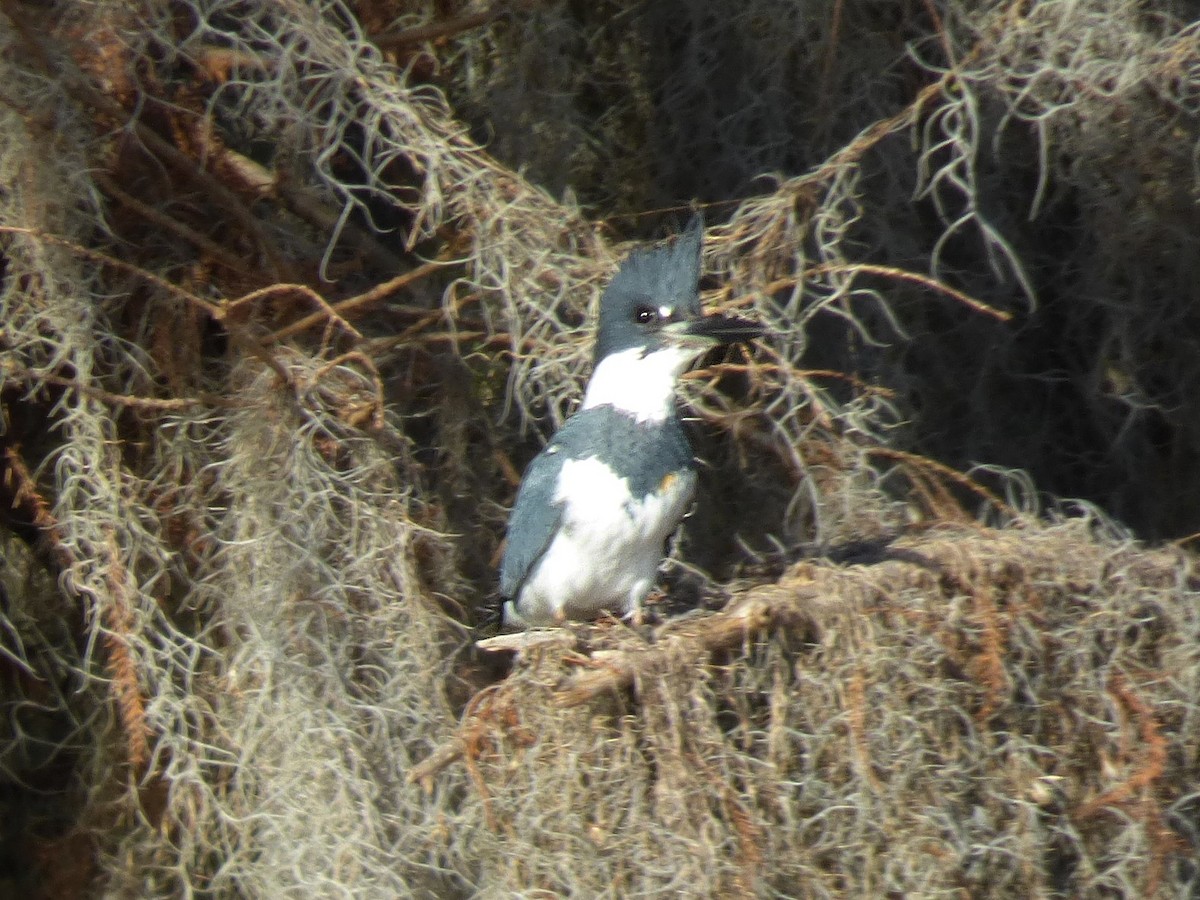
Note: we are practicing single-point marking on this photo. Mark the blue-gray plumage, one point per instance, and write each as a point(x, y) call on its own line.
point(649, 455)
point(595, 508)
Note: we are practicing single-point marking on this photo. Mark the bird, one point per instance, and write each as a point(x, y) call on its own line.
point(588, 529)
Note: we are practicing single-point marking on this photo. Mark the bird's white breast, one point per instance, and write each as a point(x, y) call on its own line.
point(607, 550)
point(639, 383)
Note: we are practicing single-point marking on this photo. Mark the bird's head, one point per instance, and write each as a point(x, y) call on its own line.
point(653, 303)
point(652, 328)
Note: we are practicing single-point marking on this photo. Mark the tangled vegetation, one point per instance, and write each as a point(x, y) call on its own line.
point(289, 293)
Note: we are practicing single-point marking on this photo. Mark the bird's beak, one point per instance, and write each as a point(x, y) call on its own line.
point(711, 331)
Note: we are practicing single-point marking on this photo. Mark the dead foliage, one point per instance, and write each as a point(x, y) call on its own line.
point(290, 291)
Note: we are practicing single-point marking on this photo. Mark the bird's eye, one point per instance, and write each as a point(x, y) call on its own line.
point(644, 315)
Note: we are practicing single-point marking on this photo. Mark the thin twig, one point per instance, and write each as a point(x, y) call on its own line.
point(156, 404)
point(355, 304)
point(213, 310)
point(158, 217)
point(217, 311)
point(419, 34)
point(122, 667)
point(117, 614)
point(900, 275)
point(921, 462)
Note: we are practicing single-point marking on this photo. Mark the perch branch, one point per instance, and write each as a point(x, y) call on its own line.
point(754, 614)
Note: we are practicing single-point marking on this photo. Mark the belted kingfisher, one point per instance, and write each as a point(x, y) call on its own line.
point(596, 506)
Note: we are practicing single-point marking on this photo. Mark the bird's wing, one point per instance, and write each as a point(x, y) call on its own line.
point(533, 521)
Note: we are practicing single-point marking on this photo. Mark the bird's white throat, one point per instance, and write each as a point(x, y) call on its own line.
point(639, 383)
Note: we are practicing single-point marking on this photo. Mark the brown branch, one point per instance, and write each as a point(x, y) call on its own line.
point(192, 170)
point(122, 667)
point(372, 410)
point(419, 34)
point(1137, 791)
point(217, 311)
point(427, 769)
point(325, 314)
point(825, 91)
point(757, 367)
point(302, 200)
point(856, 723)
point(368, 298)
point(117, 615)
point(210, 309)
point(1153, 764)
point(810, 596)
point(925, 281)
point(799, 601)
point(502, 340)
point(27, 495)
point(158, 217)
point(155, 404)
point(989, 663)
point(758, 611)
